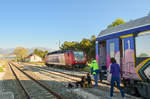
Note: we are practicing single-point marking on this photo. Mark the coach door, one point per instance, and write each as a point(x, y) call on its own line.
point(113, 50)
point(122, 51)
point(102, 54)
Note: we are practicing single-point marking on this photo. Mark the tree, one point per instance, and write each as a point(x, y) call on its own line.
point(40, 53)
point(116, 22)
point(86, 45)
point(70, 46)
point(143, 55)
point(20, 53)
point(45, 53)
point(93, 47)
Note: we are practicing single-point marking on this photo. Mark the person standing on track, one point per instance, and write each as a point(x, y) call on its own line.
point(115, 71)
point(95, 71)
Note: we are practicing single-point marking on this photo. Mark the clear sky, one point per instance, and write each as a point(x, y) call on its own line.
point(32, 23)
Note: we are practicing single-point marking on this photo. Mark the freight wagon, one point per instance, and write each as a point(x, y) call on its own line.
point(129, 44)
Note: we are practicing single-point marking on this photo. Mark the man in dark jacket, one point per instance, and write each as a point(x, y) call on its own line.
point(88, 79)
point(115, 71)
point(81, 83)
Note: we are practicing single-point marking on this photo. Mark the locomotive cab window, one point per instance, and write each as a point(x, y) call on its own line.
point(79, 56)
point(142, 47)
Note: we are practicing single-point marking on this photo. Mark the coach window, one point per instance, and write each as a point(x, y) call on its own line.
point(112, 49)
point(123, 49)
point(142, 46)
point(129, 47)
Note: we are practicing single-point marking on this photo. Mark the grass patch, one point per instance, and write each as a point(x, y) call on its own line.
point(3, 66)
point(37, 63)
point(1, 69)
point(86, 69)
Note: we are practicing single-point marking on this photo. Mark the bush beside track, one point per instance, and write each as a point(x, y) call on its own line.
point(85, 69)
point(37, 63)
point(1, 69)
point(2, 65)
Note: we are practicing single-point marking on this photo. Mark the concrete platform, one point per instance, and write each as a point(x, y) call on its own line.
point(94, 93)
point(6, 95)
point(1, 79)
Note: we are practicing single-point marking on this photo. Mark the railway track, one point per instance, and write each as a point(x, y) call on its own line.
point(104, 83)
point(56, 83)
point(52, 71)
point(72, 77)
point(46, 92)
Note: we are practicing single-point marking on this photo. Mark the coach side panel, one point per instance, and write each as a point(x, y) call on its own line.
point(128, 59)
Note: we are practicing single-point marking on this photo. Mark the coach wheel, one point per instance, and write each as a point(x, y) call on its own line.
point(82, 66)
point(100, 76)
point(47, 65)
point(75, 66)
point(136, 92)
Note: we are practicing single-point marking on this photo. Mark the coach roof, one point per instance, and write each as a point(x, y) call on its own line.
point(126, 26)
point(59, 51)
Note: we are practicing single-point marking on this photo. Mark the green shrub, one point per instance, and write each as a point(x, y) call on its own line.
point(86, 69)
point(1, 69)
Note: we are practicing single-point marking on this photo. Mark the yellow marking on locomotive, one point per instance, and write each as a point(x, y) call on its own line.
point(142, 64)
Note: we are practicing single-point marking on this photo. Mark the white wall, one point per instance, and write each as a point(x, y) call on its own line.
point(35, 58)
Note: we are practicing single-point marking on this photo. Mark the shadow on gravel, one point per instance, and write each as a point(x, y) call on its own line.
point(60, 87)
point(56, 86)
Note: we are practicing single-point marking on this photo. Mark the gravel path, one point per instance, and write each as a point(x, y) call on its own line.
point(78, 73)
point(35, 91)
point(9, 84)
point(56, 83)
point(97, 93)
point(59, 85)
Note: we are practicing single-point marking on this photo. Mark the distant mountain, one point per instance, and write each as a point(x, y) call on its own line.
point(30, 50)
point(6, 51)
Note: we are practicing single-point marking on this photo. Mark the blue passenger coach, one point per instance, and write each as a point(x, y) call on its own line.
point(129, 44)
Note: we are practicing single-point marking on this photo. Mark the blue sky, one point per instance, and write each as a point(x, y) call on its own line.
point(32, 23)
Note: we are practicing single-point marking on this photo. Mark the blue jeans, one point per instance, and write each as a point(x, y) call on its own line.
point(117, 80)
point(96, 79)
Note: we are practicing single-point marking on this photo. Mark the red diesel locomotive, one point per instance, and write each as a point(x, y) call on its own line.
point(67, 58)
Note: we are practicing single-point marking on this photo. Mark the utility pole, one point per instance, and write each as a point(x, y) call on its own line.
point(59, 44)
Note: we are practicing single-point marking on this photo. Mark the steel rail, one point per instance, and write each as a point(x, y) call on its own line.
point(25, 91)
point(38, 82)
point(77, 76)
